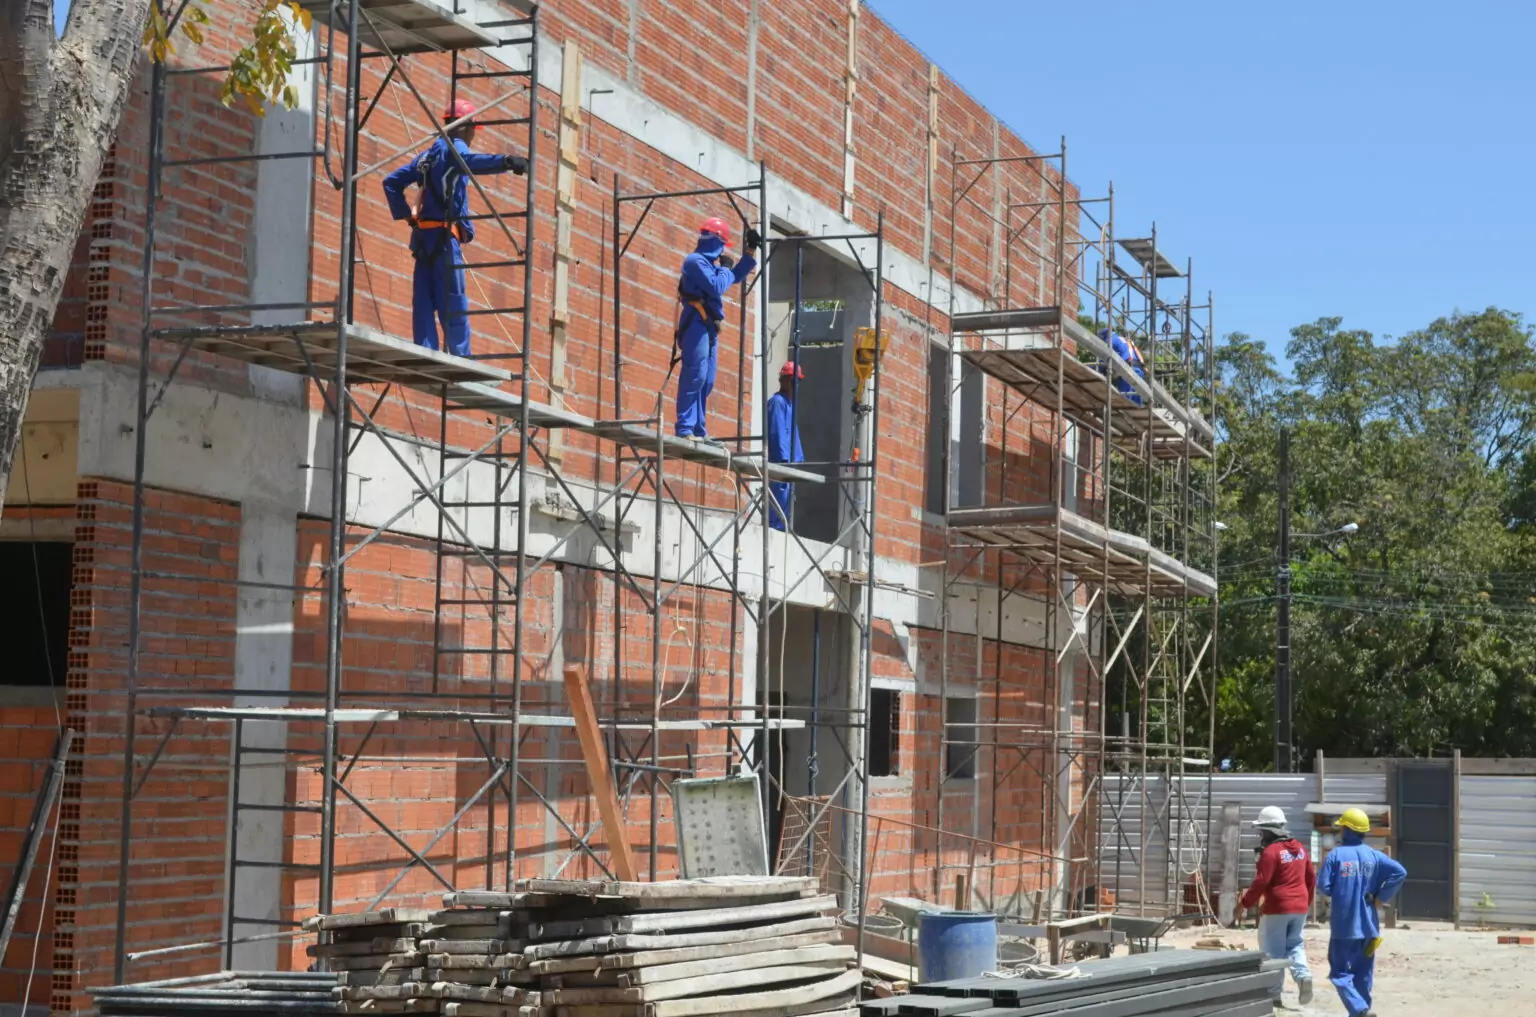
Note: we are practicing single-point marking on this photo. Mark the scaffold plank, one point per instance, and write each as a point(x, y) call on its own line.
point(408, 26)
point(1089, 550)
point(372, 355)
point(750, 464)
point(474, 396)
point(1029, 368)
point(372, 716)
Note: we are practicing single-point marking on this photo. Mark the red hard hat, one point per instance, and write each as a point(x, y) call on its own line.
point(789, 371)
point(716, 225)
point(460, 109)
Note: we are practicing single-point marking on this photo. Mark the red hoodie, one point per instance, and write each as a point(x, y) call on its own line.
point(1284, 879)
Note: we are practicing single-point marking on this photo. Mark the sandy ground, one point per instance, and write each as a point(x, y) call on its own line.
point(1423, 970)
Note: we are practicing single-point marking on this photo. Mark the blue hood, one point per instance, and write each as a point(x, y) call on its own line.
point(710, 246)
point(1352, 838)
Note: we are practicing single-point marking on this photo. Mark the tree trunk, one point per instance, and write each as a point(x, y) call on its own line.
point(60, 102)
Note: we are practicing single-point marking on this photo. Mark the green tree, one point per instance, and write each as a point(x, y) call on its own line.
point(61, 97)
point(1417, 634)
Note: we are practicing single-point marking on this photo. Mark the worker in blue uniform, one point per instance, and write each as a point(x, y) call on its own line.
point(440, 225)
point(784, 442)
point(1128, 352)
point(706, 275)
point(1356, 878)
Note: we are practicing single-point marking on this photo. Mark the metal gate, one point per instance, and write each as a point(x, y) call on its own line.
point(1425, 838)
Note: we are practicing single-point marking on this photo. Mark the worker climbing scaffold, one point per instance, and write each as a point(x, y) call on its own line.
point(441, 224)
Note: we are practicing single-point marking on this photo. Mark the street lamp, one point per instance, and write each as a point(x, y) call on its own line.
point(1284, 744)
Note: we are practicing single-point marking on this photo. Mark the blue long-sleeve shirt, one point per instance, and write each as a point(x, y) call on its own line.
point(706, 281)
point(783, 435)
point(1355, 877)
point(444, 189)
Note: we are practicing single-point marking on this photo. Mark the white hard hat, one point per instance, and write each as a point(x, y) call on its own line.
point(1271, 817)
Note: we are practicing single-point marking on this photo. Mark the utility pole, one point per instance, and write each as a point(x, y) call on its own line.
point(1283, 743)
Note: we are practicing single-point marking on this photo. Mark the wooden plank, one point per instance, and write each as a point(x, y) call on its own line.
point(472, 946)
point(489, 976)
point(482, 993)
point(493, 1010)
point(405, 990)
point(666, 921)
point(398, 976)
point(653, 974)
point(1231, 834)
point(386, 916)
point(645, 958)
point(361, 947)
point(728, 981)
point(375, 962)
point(708, 886)
point(477, 961)
point(493, 899)
point(495, 931)
point(769, 1000)
point(589, 956)
point(599, 774)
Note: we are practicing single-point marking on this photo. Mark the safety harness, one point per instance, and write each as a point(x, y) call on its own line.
point(685, 301)
point(442, 192)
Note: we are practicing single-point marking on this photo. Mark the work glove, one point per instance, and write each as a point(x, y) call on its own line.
point(754, 239)
point(517, 164)
point(726, 261)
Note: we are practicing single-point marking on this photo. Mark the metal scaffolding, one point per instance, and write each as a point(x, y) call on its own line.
point(1106, 566)
point(479, 468)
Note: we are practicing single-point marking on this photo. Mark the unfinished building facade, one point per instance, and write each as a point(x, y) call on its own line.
point(319, 589)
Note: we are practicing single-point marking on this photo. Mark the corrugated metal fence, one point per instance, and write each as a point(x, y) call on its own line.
point(1496, 844)
point(1496, 839)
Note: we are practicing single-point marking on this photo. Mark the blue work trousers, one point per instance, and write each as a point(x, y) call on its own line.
point(437, 294)
point(696, 380)
point(1280, 939)
point(1352, 972)
point(783, 494)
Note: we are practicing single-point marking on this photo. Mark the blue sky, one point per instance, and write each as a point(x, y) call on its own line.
point(1360, 158)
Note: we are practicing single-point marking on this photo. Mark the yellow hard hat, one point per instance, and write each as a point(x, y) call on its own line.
point(1354, 819)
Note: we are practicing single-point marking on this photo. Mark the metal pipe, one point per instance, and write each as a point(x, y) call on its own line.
point(135, 580)
point(335, 584)
point(866, 643)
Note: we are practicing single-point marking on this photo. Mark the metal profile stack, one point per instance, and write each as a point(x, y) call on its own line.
point(1171, 983)
point(289, 993)
point(746, 946)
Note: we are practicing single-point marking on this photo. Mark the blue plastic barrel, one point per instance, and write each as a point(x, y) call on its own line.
point(955, 944)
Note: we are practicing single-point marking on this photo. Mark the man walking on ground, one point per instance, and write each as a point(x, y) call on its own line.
point(706, 274)
point(440, 224)
point(1356, 878)
point(1283, 881)
point(783, 441)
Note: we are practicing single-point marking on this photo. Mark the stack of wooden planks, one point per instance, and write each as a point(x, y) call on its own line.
point(377, 959)
point(743, 946)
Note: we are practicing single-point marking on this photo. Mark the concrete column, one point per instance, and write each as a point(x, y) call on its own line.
point(263, 662)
